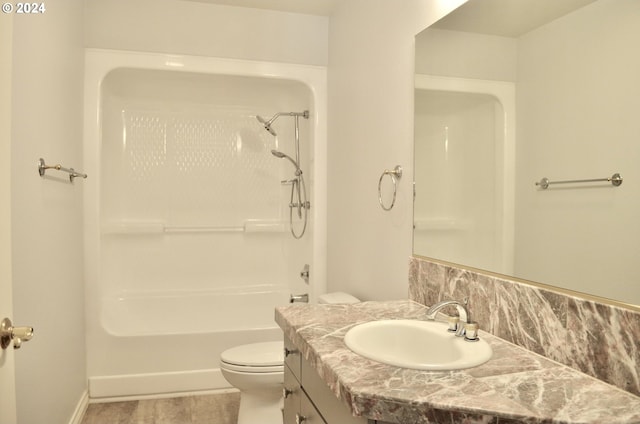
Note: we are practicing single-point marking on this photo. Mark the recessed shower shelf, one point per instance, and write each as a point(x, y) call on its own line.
point(159, 227)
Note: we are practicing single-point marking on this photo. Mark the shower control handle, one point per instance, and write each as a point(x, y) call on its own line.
point(304, 274)
point(300, 418)
point(299, 298)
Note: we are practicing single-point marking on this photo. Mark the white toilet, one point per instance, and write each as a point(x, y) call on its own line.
point(257, 370)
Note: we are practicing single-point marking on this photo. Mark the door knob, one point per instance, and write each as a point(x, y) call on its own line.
point(10, 333)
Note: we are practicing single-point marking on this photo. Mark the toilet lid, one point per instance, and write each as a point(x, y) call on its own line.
point(267, 354)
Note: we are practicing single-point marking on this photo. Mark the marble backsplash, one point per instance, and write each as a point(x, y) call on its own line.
point(598, 339)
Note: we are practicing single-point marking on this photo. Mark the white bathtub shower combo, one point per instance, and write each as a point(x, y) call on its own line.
point(464, 170)
point(188, 241)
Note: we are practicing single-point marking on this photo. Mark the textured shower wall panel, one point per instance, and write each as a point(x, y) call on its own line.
point(199, 169)
point(191, 196)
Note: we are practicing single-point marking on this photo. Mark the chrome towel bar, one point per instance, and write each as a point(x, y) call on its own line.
point(615, 180)
point(42, 167)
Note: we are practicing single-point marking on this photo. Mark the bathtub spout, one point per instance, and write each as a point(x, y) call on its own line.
point(299, 298)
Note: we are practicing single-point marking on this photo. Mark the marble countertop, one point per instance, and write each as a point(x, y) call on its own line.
point(514, 386)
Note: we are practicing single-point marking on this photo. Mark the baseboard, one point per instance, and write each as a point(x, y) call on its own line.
point(81, 409)
point(138, 385)
point(162, 396)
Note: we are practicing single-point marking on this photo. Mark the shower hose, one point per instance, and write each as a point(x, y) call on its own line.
point(299, 190)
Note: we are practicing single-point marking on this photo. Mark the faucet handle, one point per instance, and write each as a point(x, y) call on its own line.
point(454, 322)
point(471, 332)
point(304, 274)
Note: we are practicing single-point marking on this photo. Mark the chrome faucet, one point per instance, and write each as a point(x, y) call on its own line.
point(465, 327)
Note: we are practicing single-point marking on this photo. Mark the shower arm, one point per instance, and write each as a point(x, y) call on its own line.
point(268, 122)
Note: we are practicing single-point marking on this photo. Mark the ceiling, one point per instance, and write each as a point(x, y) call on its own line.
point(506, 18)
point(515, 17)
point(308, 7)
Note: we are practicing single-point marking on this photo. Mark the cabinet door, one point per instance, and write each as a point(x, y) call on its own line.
point(308, 413)
point(332, 410)
point(292, 357)
point(292, 391)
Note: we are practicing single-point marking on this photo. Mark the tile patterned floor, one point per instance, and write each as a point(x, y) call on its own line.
point(219, 408)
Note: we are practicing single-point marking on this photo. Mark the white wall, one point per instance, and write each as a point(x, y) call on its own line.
point(47, 212)
point(466, 55)
point(186, 27)
point(371, 68)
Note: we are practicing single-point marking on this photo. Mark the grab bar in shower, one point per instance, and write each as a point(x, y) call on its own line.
point(615, 180)
point(42, 168)
point(160, 227)
point(186, 229)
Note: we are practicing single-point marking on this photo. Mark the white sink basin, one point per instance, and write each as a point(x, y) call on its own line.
point(422, 345)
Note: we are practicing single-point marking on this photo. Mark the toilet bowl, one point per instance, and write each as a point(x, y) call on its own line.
point(257, 370)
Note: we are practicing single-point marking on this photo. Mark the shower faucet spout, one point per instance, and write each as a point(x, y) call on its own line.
point(299, 298)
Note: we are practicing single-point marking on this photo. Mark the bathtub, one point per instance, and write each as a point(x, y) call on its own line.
point(187, 249)
point(173, 330)
point(171, 313)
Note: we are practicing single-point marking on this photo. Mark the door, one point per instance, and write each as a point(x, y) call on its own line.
point(7, 370)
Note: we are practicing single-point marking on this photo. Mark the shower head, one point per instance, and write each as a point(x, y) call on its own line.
point(282, 155)
point(267, 124)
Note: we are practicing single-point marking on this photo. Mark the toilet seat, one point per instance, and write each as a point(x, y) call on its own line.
point(267, 357)
point(244, 369)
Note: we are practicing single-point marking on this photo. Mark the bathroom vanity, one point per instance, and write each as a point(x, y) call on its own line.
point(325, 382)
point(307, 399)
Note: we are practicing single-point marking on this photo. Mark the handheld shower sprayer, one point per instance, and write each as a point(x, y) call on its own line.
point(285, 156)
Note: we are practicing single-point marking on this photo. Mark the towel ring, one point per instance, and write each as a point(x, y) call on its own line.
point(395, 174)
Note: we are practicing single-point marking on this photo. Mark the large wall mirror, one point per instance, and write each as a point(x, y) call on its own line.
point(509, 93)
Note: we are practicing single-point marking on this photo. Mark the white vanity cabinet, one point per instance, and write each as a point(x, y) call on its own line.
point(308, 400)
